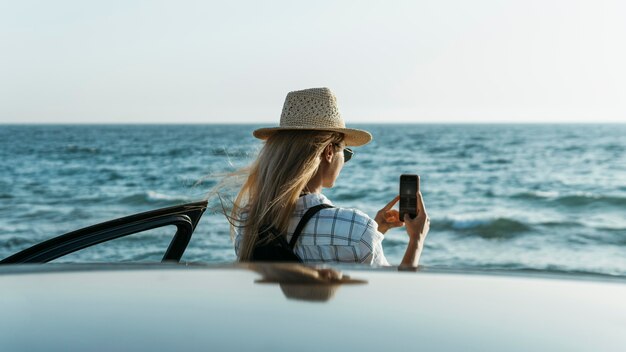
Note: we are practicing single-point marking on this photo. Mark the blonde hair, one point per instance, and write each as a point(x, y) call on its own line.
point(283, 168)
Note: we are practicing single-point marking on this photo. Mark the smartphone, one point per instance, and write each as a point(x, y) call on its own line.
point(409, 186)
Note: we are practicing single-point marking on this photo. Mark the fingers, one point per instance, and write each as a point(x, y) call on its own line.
point(416, 219)
point(392, 219)
point(396, 224)
point(392, 215)
point(392, 203)
point(409, 221)
point(420, 203)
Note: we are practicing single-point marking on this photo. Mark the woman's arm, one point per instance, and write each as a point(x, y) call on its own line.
point(417, 229)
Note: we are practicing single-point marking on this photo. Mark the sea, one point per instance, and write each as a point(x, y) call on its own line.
point(529, 197)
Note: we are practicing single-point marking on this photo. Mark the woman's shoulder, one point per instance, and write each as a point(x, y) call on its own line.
point(346, 214)
point(357, 214)
point(351, 223)
point(334, 213)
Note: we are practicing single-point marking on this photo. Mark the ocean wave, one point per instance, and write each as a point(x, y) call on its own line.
point(440, 149)
point(536, 195)
point(614, 148)
point(621, 230)
point(574, 200)
point(229, 152)
point(561, 224)
point(613, 237)
point(588, 199)
point(114, 176)
point(177, 152)
point(151, 197)
point(72, 148)
point(16, 242)
point(495, 228)
point(498, 161)
point(354, 195)
point(110, 174)
point(41, 214)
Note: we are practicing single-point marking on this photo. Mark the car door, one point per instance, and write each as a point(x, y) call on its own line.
point(183, 217)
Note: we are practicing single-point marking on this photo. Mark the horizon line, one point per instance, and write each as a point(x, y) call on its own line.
point(352, 123)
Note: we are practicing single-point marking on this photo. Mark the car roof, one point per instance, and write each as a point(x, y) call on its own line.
point(232, 307)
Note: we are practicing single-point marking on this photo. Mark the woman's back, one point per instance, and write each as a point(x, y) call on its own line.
point(333, 235)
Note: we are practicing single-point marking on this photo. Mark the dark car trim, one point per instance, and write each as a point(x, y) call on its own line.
point(185, 217)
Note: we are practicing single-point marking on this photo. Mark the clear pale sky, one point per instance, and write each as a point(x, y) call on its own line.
point(387, 61)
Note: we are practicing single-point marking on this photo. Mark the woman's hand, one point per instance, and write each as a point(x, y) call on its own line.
point(388, 218)
point(418, 228)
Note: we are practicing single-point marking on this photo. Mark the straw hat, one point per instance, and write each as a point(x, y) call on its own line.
point(314, 109)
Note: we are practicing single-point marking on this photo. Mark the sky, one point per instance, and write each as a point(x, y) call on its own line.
point(387, 61)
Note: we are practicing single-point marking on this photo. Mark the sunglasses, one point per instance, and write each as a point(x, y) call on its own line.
point(347, 153)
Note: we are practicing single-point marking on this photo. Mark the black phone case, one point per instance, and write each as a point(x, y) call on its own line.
point(409, 185)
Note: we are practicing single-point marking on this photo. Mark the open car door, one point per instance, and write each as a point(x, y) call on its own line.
point(185, 217)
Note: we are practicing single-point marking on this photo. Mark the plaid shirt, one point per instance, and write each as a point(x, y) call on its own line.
point(333, 235)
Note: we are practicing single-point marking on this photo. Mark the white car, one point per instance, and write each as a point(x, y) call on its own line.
point(178, 306)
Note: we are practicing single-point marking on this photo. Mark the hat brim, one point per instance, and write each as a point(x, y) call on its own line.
point(352, 137)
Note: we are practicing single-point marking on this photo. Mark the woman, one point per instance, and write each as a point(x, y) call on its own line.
point(301, 157)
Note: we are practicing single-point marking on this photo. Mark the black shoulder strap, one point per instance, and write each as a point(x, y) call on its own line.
point(307, 216)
